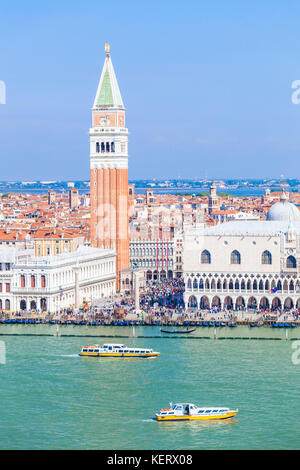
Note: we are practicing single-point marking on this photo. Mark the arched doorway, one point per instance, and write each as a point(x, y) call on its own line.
point(288, 304)
point(252, 303)
point(264, 303)
point(7, 304)
point(192, 302)
point(33, 305)
point(228, 303)
point(216, 302)
point(163, 275)
point(240, 303)
point(276, 303)
point(149, 275)
point(43, 304)
point(204, 302)
point(23, 305)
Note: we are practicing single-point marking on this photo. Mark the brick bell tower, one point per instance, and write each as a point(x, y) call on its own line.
point(109, 169)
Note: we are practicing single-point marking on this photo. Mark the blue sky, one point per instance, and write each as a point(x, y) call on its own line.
point(206, 84)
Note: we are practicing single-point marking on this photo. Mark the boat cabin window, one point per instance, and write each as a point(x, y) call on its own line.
point(215, 411)
point(131, 351)
point(207, 411)
point(84, 350)
point(125, 351)
point(201, 411)
point(91, 350)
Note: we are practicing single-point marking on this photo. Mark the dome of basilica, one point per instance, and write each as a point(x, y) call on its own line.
point(284, 211)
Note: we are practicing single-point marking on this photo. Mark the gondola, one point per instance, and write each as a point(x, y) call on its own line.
point(178, 332)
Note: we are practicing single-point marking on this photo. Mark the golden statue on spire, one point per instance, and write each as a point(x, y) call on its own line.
point(107, 48)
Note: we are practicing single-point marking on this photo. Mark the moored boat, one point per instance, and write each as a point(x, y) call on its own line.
point(191, 412)
point(116, 350)
point(178, 331)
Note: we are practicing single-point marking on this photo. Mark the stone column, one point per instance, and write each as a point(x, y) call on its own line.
point(77, 297)
point(137, 291)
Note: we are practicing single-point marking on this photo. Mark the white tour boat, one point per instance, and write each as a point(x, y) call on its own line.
point(116, 350)
point(190, 412)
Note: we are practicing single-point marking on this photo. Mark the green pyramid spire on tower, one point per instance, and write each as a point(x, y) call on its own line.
point(108, 93)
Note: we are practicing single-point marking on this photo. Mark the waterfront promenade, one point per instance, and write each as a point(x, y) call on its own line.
point(163, 317)
point(160, 303)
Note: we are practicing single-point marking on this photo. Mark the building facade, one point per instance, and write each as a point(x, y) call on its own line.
point(51, 283)
point(109, 169)
point(247, 264)
point(159, 258)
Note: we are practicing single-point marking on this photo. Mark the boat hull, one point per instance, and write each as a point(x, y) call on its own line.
point(181, 332)
point(230, 414)
point(121, 355)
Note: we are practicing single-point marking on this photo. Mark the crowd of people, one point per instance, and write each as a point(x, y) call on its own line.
point(163, 300)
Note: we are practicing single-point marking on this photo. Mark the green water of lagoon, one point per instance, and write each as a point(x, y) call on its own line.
point(53, 399)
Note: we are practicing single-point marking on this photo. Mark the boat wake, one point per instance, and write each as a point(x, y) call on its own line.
point(69, 355)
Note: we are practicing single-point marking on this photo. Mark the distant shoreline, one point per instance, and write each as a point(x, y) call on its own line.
point(188, 190)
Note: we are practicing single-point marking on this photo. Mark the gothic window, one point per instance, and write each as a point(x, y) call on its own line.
point(107, 147)
point(291, 262)
point(235, 257)
point(205, 257)
point(112, 147)
point(102, 147)
point(195, 284)
point(97, 147)
point(22, 280)
point(266, 257)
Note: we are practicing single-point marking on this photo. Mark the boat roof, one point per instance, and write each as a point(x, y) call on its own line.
point(201, 407)
point(114, 345)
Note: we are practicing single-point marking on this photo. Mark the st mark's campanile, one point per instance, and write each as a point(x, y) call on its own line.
point(109, 168)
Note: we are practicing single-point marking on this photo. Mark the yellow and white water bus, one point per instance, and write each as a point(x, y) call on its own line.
point(117, 350)
point(190, 412)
